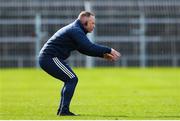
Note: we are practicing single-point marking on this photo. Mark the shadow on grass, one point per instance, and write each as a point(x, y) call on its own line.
point(136, 117)
point(94, 115)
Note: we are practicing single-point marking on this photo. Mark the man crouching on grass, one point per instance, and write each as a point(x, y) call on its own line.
point(58, 48)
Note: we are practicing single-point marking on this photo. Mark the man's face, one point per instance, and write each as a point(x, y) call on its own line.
point(90, 24)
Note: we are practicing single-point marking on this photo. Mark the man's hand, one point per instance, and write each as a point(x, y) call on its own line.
point(113, 56)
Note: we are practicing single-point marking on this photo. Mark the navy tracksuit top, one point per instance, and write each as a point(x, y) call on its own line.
point(69, 38)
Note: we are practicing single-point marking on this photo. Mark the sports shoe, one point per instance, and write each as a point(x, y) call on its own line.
point(65, 113)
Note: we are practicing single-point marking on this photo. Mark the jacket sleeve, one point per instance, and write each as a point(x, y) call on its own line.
point(85, 46)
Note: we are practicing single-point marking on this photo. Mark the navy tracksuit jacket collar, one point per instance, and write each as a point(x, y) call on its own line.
point(79, 24)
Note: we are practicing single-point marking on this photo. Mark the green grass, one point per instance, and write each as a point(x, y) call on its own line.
point(102, 93)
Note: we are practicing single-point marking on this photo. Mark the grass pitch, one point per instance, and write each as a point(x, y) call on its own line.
point(102, 93)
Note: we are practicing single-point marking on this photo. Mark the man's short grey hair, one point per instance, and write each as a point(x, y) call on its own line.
point(85, 14)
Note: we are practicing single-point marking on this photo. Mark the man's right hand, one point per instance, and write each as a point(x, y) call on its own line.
point(113, 56)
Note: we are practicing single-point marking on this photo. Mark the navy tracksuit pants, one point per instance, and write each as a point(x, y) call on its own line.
point(57, 68)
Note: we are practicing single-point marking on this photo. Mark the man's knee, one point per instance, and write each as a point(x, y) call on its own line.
point(74, 80)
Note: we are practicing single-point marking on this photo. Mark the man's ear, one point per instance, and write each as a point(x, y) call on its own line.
point(86, 23)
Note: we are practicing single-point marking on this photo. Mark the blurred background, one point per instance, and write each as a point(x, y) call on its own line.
point(145, 32)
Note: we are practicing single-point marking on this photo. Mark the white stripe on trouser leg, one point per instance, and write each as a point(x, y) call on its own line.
point(62, 98)
point(55, 61)
point(64, 67)
point(61, 68)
